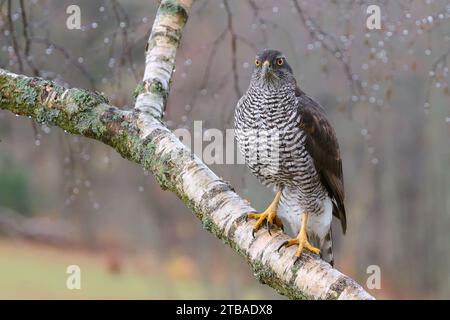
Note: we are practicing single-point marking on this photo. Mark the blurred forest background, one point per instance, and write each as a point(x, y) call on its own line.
point(68, 200)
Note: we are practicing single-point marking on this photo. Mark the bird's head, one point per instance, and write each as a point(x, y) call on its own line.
point(272, 70)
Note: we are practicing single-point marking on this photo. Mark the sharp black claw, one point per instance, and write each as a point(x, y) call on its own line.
point(246, 218)
point(268, 227)
point(253, 233)
point(282, 245)
point(296, 259)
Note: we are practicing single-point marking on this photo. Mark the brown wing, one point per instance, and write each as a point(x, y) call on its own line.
point(322, 145)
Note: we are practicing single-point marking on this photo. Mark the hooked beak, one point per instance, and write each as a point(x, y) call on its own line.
point(266, 67)
point(268, 71)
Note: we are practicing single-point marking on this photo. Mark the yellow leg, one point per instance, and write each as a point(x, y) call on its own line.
point(301, 240)
point(269, 215)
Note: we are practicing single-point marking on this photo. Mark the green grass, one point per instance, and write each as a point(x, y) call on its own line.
point(29, 271)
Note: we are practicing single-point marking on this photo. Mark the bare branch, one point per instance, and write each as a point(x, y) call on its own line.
point(330, 44)
point(256, 15)
point(440, 62)
point(57, 233)
point(68, 56)
point(120, 14)
point(15, 45)
point(26, 36)
point(160, 58)
point(233, 39)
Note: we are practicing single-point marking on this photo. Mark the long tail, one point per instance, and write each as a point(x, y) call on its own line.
point(326, 249)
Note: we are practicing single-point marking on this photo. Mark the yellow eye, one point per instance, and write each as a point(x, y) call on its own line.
point(280, 61)
point(257, 62)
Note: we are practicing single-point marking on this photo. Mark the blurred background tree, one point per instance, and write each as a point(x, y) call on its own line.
point(14, 187)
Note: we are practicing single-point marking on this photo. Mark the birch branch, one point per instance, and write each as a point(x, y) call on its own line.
point(141, 137)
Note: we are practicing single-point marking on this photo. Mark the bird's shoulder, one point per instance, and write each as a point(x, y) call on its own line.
point(314, 122)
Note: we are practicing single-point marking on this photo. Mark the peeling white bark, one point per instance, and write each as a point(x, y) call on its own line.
point(160, 57)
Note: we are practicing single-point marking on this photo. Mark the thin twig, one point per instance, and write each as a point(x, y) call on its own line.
point(13, 37)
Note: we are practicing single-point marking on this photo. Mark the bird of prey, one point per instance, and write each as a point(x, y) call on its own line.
point(288, 144)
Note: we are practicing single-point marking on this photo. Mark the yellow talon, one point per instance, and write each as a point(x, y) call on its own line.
point(269, 215)
point(301, 240)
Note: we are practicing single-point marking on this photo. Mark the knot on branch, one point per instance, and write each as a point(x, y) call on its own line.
point(151, 97)
point(173, 8)
point(155, 86)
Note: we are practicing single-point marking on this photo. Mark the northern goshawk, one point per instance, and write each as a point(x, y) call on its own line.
point(288, 143)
